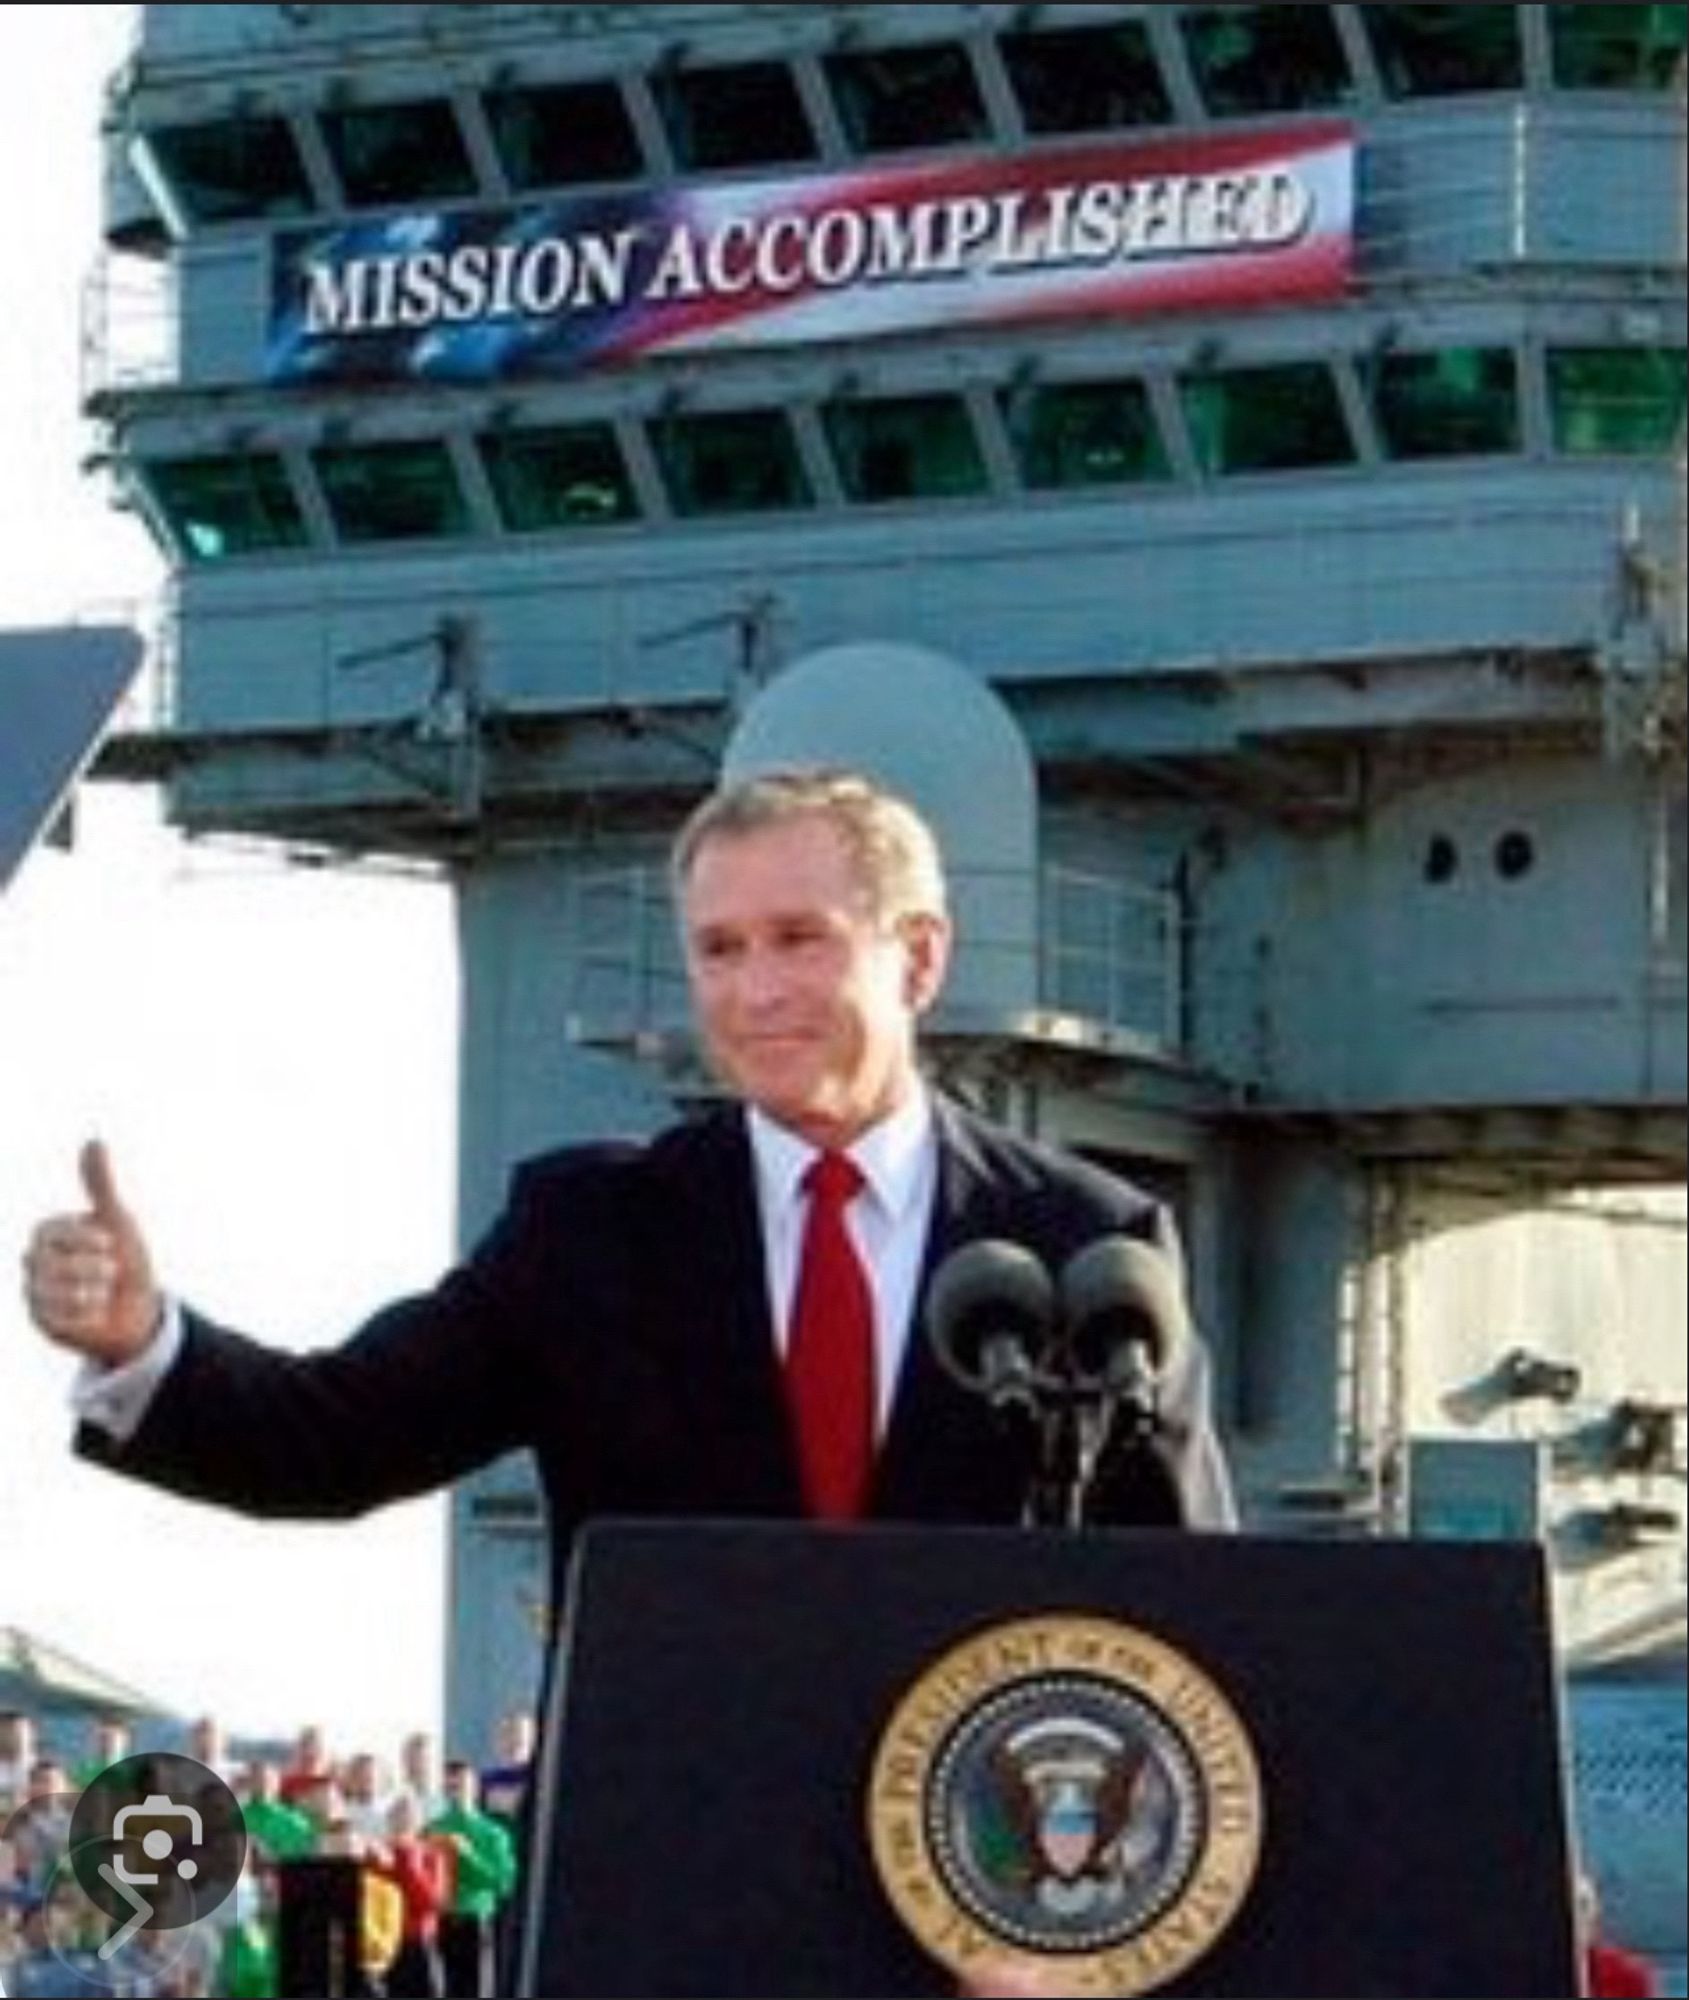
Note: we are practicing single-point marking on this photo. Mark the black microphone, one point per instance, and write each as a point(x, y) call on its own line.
point(1124, 1315)
point(990, 1306)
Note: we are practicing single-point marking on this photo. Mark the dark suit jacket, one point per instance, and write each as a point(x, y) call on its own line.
point(615, 1322)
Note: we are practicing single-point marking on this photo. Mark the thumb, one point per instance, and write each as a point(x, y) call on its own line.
point(100, 1184)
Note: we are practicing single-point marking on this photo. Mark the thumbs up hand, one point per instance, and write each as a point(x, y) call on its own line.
point(87, 1277)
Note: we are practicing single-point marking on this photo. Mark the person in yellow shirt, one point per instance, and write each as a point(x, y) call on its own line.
point(381, 1910)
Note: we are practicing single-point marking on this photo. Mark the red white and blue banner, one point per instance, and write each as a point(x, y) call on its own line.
point(1094, 232)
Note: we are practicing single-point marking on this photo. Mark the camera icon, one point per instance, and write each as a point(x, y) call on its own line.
point(157, 1842)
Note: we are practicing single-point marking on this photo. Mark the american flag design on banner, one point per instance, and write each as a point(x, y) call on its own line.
point(553, 288)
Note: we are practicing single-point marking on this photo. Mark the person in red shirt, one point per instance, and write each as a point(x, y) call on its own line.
point(1613, 1972)
point(1610, 1971)
point(421, 1869)
point(308, 1768)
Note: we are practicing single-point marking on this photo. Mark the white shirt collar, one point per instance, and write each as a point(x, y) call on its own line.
point(892, 1156)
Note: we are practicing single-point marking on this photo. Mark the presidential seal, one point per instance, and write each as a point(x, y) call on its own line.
point(1069, 1790)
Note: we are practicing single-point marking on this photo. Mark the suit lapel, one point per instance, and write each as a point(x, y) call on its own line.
point(943, 1453)
point(741, 1409)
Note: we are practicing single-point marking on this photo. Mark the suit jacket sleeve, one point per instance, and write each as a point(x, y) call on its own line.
point(424, 1391)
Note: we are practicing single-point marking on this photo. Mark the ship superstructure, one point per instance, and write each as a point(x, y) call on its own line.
point(1279, 412)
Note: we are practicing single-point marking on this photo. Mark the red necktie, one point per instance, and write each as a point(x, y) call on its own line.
point(830, 1354)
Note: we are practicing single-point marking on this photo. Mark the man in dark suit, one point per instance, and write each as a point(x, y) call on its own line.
point(625, 1316)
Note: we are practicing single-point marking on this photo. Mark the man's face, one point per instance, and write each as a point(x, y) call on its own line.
point(806, 1002)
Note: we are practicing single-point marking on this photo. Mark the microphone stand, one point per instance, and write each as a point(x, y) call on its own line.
point(1073, 1418)
point(1071, 1425)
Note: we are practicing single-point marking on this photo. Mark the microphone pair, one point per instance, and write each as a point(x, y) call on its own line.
point(1108, 1325)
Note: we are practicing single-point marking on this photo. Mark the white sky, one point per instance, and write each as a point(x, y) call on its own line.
point(269, 1051)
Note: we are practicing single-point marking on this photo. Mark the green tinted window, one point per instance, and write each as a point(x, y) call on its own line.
point(1084, 434)
point(730, 462)
point(734, 115)
point(217, 507)
point(568, 477)
point(1620, 400)
point(391, 492)
point(398, 152)
point(232, 168)
point(1617, 47)
point(895, 99)
point(1285, 418)
point(1445, 51)
point(1459, 400)
point(564, 135)
point(905, 448)
point(1086, 79)
point(1266, 58)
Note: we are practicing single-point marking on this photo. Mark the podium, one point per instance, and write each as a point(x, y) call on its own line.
point(717, 1731)
point(319, 1927)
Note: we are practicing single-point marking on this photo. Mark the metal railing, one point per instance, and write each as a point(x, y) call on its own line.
point(131, 326)
point(1107, 954)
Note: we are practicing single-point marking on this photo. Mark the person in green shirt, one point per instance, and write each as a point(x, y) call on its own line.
point(246, 1967)
point(280, 1832)
point(114, 1740)
point(484, 1877)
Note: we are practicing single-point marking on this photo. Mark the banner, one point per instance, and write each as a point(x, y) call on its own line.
point(469, 295)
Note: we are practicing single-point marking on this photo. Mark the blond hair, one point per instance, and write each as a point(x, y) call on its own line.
point(893, 849)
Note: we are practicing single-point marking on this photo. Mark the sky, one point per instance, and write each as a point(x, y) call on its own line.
point(268, 1050)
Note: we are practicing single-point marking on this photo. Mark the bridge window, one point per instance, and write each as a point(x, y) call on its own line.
point(1458, 401)
point(1622, 401)
point(730, 462)
point(1086, 79)
point(904, 99)
point(232, 169)
point(1084, 434)
point(905, 448)
point(397, 492)
point(566, 476)
point(1617, 48)
point(734, 115)
point(564, 135)
point(215, 507)
point(1445, 51)
point(397, 152)
point(1282, 418)
point(1249, 59)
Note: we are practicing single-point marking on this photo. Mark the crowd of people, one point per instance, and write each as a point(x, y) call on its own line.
point(393, 1879)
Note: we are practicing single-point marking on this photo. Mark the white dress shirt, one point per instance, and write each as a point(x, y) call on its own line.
point(898, 1161)
point(114, 1400)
